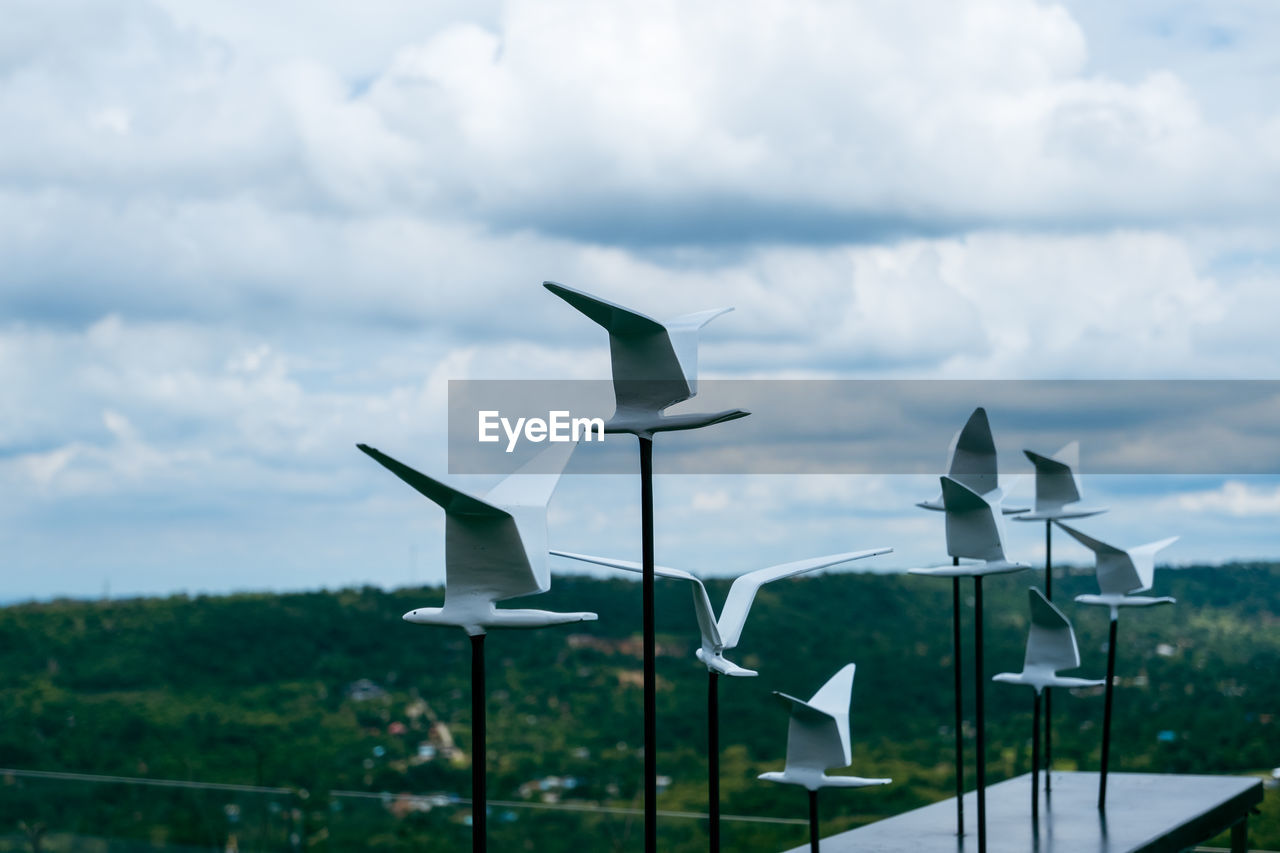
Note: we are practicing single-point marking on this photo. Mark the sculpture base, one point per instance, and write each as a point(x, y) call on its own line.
point(1147, 812)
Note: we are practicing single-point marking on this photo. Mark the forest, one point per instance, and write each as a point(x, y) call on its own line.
point(338, 726)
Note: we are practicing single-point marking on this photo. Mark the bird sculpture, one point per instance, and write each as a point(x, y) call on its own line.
point(974, 530)
point(495, 548)
point(1057, 488)
point(1120, 572)
point(1051, 646)
point(721, 634)
point(655, 364)
point(1057, 498)
point(971, 460)
point(817, 741)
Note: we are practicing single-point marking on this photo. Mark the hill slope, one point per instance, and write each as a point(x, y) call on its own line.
point(267, 690)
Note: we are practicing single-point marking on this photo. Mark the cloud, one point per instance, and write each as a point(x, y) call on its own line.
point(840, 122)
point(637, 124)
point(239, 239)
point(1233, 498)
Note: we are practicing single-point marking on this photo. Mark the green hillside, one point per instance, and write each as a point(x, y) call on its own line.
point(332, 692)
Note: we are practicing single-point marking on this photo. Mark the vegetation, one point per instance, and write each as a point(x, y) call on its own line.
point(267, 691)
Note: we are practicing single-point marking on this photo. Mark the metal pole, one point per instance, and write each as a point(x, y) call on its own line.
point(813, 821)
point(650, 677)
point(1035, 760)
point(980, 712)
point(1106, 713)
point(955, 646)
point(1048, 560)
point(713, 758)
point(1048, 692)
point(479, 797)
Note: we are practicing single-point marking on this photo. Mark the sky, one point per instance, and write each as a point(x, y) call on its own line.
point(236, 239)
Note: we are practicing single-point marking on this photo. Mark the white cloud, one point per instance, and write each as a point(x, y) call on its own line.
point(238, 239)
point(1233, 498)
point(724, 119)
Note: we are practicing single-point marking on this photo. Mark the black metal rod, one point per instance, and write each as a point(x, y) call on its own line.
point(980, 762)
point(713, 758)
point(813, 821)
point(1106, 715)
point(479, 750)
point(1035, 760)
point(1048, 692)
point(1048, 560)
point(650, 676)
point(955, 661)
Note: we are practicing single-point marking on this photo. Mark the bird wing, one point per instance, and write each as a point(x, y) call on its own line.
point(973, 460)
point(683, 332)
point(701, 601)
point(818, 736)
point(532, 483)
point(743, 591)
point(487, 558)
point(484, 553)
point(973, 527)
point(615, 318)
point(525, 494)
point(1095, 545)
point(1051, 642)
point(814, 739)
point(1115, 570)
point(1056, 483)
point(647, 373)
point(451, 500)
point(1144, 561)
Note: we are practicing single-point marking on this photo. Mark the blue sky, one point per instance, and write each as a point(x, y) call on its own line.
point(239, 238)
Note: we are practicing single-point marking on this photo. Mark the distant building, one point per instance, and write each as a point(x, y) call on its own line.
point(549, 788)
point(363, 690)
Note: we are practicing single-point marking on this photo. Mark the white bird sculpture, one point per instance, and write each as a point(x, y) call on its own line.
point(1051, 646)
point(1057, 498)
point(818, 740)
point(1057, 489)
point(975, 530)
point(818, 737)
point(495, 547)
point(719, 635)
point(655, 364)
point(971, 460)
point(1122, 571)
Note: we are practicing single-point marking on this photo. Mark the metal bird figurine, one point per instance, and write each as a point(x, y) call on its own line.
point(495, 548)
point(1051, 646)
point(1057, 498)
point(1120, 571)
point(655, 364)
point(817, 741)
